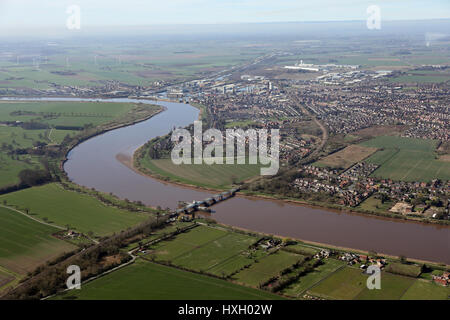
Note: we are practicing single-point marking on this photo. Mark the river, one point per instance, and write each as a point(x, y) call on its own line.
point(94, 164)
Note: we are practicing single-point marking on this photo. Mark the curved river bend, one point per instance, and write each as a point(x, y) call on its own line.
point(94, 164)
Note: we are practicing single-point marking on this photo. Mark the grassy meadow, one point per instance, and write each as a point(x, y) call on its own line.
point(84, 213)
point(203, 175)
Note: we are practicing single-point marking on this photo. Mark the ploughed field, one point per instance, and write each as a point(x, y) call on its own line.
point(346, 157)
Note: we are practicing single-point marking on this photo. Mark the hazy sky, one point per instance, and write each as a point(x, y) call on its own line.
point(52, 13)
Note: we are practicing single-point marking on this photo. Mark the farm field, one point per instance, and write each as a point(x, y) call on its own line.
point(159, 233)
point(218, 252)
point(205, 249)
point(424, 290)
point(62, 113)
point(82, 212)
point(422, 76)
point(407, 159)
point(267, 267)
point(345, 284)
point(404, 269)
point(347, 157)
point(25, 244)
point(302, 249)
point(137, 64)
point(393, 287)
point(7, 278)
point(45, 123)
point(170, 249)
point(204, 175)
point(146, 280)
point(349, 283)
point(57, 136)
point(310, 279)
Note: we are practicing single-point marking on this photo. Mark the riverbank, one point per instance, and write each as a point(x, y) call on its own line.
point(94, 164)
point(320, 245)
point(135, 165)
point(305, 205)
point(109, 128)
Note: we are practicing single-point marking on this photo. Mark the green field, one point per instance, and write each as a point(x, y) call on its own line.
point(267, 267)
point(24, 243)
point(212, 255)
point(59, 113)
point(82, 212)
point(159, 233)
point(422, 76)
point(57, 136)
point(393, 287)
point(409, 270)
point(302, 249)
point(425, 290)
point(311, 278)
point(137, 63)
point(407, 159)
point(373, 204)
point(345, 284)
point(169, 250)
point(349, 283)
point(214, 176)
point(10, 167)
point(54, 116)
point(146, 280)
point(206, 249)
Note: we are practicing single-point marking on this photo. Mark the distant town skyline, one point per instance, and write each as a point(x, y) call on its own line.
point(20, 14)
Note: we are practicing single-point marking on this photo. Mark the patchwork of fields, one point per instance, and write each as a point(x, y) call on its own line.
point(139, 64)
point(68, 208)
point(45, 123)
point(407, 159)
point(267, 267)
point(146, 280)
point(205, 249)
point(349, 283)
point(305, 282)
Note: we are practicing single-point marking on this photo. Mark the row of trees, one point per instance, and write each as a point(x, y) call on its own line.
point(50, 278)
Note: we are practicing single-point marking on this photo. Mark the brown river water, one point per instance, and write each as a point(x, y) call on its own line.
point(94, 163)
